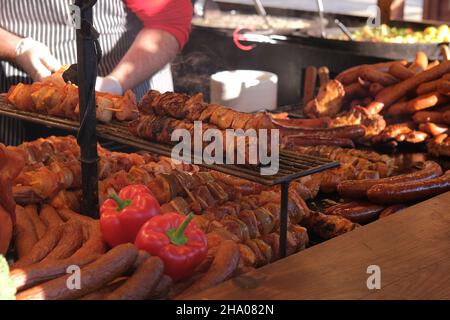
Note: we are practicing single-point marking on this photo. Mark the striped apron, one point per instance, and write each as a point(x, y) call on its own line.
point(46, 22)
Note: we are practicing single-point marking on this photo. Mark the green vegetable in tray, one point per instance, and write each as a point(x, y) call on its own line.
point(384, 33)
point(7, 287)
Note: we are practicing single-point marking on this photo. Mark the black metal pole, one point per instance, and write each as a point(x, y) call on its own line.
point(283, 217)
point(87, 139)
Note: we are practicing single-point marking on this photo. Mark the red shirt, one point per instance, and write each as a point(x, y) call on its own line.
point(173, 16)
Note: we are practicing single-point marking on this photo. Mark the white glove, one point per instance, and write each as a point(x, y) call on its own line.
point(35, 59)
point(108, 84)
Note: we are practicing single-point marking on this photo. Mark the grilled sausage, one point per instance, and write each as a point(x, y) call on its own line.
point(428, 116)
point(6, 230)
point(94, 276)
point(30, 275)
point(375, 88)
point(39, 226)
point(349, 132)
point(324, 75)
point(401, 72)
point(303, 123)
point(222, 268)
point(71, 240)
point(425, 101)
point(309, 84)
point(162, 289)
point(391, 210)
point(393, 93)
point(351, 75)
point(409, 191)
point(25, 234)
point(420, 63)
point(356, 189)
point(427, 87)
point(102, 292)
point(50, 216)
point(42, 248)
point(141, 284)
point(373, 75)
point(443, 87)
point(361, 212)
point(306, 140)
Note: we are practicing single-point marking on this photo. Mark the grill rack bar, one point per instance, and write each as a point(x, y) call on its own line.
point(292, 165)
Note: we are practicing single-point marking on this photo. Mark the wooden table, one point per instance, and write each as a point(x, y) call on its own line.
point(412, 249)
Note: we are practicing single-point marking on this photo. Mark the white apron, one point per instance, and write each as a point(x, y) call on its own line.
point(46, 22)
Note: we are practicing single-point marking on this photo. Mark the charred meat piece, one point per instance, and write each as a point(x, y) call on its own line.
point(328, 102)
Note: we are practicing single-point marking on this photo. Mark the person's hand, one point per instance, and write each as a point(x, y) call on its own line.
point(35, 59)
point(108, 84)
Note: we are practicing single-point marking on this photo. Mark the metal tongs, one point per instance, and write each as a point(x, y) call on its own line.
point(320, 8)
point(262, 12)
point(344, 29)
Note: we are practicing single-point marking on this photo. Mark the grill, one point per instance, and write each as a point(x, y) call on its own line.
point(291, 165)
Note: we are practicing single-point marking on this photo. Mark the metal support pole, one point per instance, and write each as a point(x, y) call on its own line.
point(87, 56)
point(283, 217)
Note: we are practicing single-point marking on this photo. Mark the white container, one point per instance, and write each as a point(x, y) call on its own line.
point(245, 90)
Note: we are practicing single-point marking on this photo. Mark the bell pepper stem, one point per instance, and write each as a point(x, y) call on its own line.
point(176, 235)
point(121, 203)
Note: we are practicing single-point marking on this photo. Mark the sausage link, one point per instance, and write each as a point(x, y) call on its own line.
point(102, 292)
point(162, 289)
point(94, 276)
point(71, 241)
point(409, 191)
point(428, 116)
point(399, 71)
point(356, 189)
point(222, 268)
point(322, 122)
point(391, 210)
point(25, 234)
point(392, 94)
point(42, 248)
point(50, 217)
point(141, 284)
point(427, 87)
point(443, 87)
point(375, 88)
point(39, 226)
point(420, 63)
point(373, 75)
point(349, 132)
point(361, 212)
point(33, 274)
point(309, 84)
point(355, 90)
point(324, 75)
point(6, 230)
point(305, 140)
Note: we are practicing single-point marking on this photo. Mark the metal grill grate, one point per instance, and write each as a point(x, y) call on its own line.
point(291, 165)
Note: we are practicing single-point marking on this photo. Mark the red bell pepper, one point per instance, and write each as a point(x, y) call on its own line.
point(178, 242)
point(123, 215)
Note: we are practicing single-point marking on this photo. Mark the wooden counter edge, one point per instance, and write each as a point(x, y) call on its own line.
point(411, 248)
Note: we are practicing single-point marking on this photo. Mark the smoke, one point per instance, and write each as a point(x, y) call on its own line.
point(191, 72)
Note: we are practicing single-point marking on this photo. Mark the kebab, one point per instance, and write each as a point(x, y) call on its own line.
point(62, 101)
